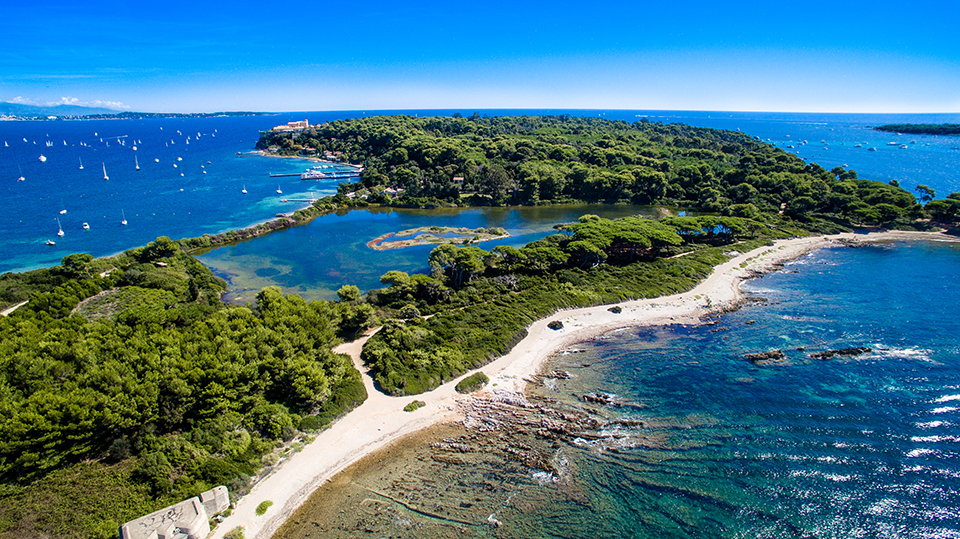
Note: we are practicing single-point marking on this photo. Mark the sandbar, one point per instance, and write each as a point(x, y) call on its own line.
point(380, 420)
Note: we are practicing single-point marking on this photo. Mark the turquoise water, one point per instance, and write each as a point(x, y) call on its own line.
point(316, 259)
point(861, 446)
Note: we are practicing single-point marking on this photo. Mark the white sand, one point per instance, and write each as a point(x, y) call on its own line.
point(380, 420)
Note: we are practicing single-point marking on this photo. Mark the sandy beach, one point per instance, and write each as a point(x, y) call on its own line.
point(380, 420)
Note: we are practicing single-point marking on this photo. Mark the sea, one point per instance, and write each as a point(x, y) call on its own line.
point(694, 440)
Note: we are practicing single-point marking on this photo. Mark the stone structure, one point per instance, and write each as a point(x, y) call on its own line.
point(189, 519)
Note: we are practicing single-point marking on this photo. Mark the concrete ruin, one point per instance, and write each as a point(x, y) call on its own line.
point(189, 519)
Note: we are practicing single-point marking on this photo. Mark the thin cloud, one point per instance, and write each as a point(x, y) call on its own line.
point(73, 101)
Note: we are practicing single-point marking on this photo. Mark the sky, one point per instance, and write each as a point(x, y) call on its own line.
point(810, 56)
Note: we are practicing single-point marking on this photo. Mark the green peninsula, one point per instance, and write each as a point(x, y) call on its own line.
point(126, 384)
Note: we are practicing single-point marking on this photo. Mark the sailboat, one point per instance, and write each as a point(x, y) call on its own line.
point(135, 162)
point(105, 177)
point(51, 242)
point(21, 178)
point(279, 192)
point(86, 226)
point(43, 158)
point(244, 190)
point(124, 222)
point(60, 228)
point(81, 163)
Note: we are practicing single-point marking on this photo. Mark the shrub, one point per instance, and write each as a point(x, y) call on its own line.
point(616, 309)
point(413, 406)
point(262, 508)
point(556, 324)
point(472, 383)
point(236, 533)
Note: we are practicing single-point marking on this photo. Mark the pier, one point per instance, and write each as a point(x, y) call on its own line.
point(284, 175)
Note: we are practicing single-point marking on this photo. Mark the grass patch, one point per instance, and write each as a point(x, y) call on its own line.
point(262, 508)
point(472, 383)
point(414, 406)
point(236, 533)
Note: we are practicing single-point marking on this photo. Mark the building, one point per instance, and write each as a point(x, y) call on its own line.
point(189, 519)
point(293, 126)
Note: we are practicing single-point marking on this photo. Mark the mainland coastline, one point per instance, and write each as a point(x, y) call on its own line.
point(380, 422)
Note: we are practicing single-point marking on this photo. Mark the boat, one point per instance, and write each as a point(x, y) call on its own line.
point(313, 175)
point(5, 145)
point(86, 226)
point(105, 177)
point(134, 148)
point(279, 192)
point(51, 242)
point(124, 222)
point(81, 163)
point(179, 159)
point(893, 143)
point(21, 178)
point(156, 159)
point(43, 159)
point(244, 190)
point(136, 163)
point(858, 145)
point(871, 149)
point(60, 228)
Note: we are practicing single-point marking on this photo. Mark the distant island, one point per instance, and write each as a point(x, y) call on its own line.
point(921, 129)
point(17, 111)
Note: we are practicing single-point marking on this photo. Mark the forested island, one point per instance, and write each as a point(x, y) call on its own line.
point(921, 129)
point(126, 384)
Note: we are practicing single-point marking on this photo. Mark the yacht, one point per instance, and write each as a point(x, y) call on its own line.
point(60, 228)
point(124, 222)
point(21, 178)
point(81, 163)
point(43, 159)
point(244, 190)
point(51, 242)
point(105, 177)
point(279, 192)
point(86, 226)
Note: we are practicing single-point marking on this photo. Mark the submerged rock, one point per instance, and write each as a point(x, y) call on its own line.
point(771, 355)
point(855, 351)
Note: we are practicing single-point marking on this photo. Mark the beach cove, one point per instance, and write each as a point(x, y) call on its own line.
point(381, 421)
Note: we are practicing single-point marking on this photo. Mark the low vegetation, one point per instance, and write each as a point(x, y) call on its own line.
point(474, 382)
point(262, 508)
point(414, 406)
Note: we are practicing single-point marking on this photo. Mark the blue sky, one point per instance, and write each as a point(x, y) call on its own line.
point(756, 56)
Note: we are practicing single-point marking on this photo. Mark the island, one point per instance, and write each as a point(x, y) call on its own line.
point(921, 129)
point(436, 235)
point(128, 386)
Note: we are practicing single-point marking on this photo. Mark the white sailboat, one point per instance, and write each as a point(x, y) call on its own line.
point(279, 192)
point(136, 163)
point(105, 177)
point(21, 178)
point(59, 228)
point(244, 190)
point(81, 163)
point(43, 158)
point(124, 222)
point(51, 242)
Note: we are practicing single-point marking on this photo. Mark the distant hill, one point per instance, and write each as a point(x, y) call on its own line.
point(18, 109)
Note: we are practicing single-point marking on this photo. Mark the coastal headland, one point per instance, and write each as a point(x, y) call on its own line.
point(381, 421)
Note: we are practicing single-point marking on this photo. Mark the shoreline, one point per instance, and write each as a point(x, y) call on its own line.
point(380, 421)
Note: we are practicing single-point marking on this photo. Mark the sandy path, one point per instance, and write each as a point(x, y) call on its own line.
point(380, 420)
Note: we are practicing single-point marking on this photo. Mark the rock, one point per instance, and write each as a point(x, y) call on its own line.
point(855, 351)
point(765, 356)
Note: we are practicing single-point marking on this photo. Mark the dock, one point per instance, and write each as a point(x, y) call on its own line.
point(285, 175)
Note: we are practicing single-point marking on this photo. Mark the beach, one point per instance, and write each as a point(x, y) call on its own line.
point(380, 421)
